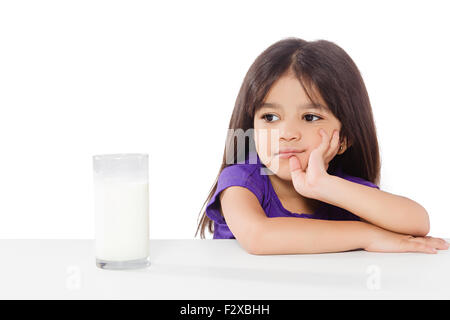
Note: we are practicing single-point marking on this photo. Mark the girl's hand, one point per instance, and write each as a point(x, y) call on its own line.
point(308, 182)
point(387, 241)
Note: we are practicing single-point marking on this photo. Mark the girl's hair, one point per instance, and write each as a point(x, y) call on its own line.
point(320, 66)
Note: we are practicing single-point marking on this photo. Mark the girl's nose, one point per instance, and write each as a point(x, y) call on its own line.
point(290, 131)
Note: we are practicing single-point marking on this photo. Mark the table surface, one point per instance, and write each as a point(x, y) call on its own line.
point(218, 269)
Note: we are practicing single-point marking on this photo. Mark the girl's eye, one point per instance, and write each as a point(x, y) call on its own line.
point(309, 117)
point(269, 117)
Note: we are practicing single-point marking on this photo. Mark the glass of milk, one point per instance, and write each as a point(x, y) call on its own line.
point(121, 211)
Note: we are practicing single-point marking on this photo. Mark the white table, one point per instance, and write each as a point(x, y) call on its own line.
point(218, 269)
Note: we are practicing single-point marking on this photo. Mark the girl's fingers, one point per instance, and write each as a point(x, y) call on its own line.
point(438, 243)
point(418, 245)
point(297, 174)
point(324, 145)
point(429, 244)
point(334, 147)
point(421, 247)
point(439, 239)
point(294, 164)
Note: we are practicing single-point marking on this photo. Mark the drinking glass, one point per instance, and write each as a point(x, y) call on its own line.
point(121, 210)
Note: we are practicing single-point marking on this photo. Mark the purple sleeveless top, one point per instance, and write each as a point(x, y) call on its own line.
point(249, 176)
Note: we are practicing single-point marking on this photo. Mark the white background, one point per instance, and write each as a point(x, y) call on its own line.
point(79, 78)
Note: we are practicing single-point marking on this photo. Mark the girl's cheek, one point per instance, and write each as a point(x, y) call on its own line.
point(261, 149)
point(304, 159)
point(264, 143)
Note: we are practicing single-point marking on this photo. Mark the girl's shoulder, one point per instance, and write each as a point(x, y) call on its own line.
point(242, 175)
point(250, 170)
point(241, 172)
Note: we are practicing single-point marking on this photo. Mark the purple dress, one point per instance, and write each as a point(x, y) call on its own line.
point(249, 176)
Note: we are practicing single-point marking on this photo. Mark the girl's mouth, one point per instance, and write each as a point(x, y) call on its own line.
point(287, 155)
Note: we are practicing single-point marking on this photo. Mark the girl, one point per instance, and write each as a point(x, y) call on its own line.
point(312, 185)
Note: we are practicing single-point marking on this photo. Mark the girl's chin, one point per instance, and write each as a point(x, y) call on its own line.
point(285, 176)
point(279, 167)
point(282, 172)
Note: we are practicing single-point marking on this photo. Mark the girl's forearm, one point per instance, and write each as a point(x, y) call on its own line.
point(289, 235)
point(386, 210)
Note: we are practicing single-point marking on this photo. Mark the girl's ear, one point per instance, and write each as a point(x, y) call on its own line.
point(344, 145)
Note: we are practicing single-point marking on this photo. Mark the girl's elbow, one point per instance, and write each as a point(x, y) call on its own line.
point(253, 243)
point(424, 224)
point(254, 251)
point(426, 229)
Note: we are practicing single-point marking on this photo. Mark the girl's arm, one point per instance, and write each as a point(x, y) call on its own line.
point(391, 212)
point(258, 234)
point(289, 235)
point(386, 210)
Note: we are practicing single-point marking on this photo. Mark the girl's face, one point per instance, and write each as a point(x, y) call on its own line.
point(288, 119)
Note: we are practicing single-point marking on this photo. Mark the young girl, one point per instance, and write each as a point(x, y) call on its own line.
point(312, 184)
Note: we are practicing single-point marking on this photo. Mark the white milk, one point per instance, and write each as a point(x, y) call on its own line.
point(121, 220)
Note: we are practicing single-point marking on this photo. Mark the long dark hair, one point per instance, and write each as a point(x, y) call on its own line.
point(320, 66)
